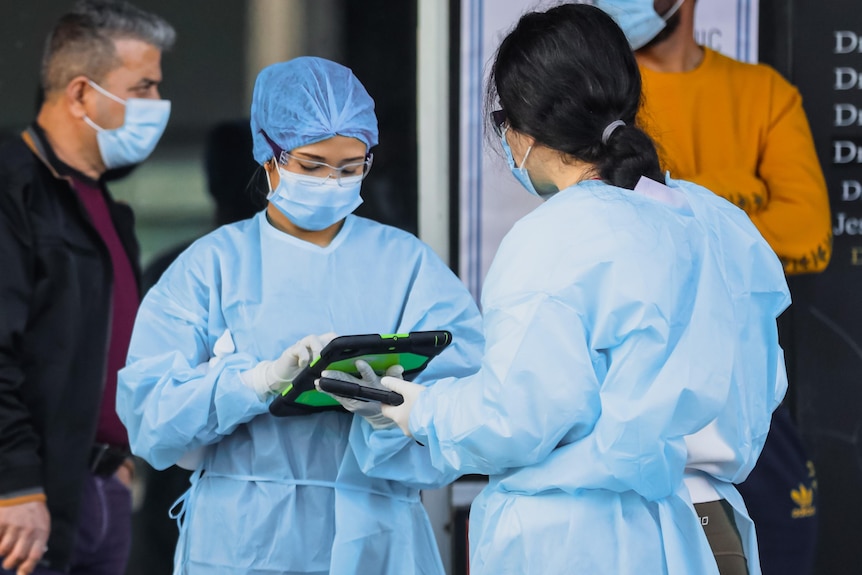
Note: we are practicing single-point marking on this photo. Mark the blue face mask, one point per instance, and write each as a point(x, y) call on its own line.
point(135, 140)
point(313, 203)
point(637, 18)
point(520, 173)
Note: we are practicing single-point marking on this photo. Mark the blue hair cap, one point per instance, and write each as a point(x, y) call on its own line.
point(308, 100)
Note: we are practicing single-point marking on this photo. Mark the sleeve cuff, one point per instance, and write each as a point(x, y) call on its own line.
point(21, 497)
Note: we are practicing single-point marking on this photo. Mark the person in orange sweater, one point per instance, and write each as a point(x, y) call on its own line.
point(740, 130)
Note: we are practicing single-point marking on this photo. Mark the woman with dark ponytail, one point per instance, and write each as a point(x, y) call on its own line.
point(630, 331)
point(561, 93)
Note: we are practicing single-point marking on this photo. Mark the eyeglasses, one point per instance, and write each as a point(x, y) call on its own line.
point(499, 120)
point(345, 175)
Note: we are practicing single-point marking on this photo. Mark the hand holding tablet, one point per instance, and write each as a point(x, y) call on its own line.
point(358, 391)
point(411, 350)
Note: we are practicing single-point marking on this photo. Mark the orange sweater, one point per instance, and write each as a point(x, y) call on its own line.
point(740, 130)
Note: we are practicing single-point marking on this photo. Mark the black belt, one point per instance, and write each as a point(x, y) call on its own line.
point(105, 459)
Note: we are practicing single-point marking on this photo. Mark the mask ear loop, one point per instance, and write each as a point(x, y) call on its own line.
point(524, 161)
point(526, 155)
point(673, 9)
point(106, 93)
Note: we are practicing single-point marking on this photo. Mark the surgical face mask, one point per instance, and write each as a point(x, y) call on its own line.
point(637, 18)
point(313, 203)
point(135, 140)
point(520, 173)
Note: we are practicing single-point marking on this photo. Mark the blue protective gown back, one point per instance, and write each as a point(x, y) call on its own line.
point(319, 493)
point(618, 324)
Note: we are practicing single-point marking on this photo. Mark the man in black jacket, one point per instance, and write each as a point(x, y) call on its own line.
point(69, 291)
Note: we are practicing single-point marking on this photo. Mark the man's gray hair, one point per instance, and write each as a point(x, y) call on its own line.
point(82, 41)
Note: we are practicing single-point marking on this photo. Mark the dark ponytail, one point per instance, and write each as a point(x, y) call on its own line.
point(629, 154)
point(563, 77)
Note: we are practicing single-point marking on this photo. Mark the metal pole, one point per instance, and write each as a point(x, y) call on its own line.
point(432, 100)
point(433, 124)
point(275, 32)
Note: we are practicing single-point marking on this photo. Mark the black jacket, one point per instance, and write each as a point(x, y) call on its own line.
point(56, 282)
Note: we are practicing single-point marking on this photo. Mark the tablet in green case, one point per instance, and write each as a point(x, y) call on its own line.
point(411, 350)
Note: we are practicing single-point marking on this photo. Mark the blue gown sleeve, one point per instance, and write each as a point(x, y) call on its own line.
point(168, 396)
point(536, 386)
point(598, 363)
point(437, 300)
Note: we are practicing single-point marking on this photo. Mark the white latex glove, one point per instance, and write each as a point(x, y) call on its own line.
point(400, 414)
point(269, 377)
point(370, 410)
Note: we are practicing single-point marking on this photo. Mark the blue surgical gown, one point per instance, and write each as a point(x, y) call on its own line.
point(617, 324)
point(320, 493)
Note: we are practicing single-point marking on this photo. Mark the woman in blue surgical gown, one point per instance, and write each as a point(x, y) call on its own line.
point(630, 325)
point(326, 492)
